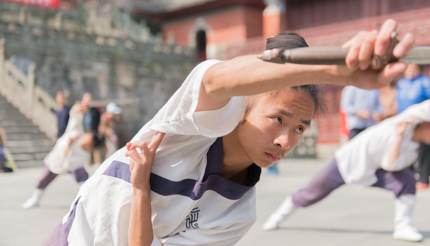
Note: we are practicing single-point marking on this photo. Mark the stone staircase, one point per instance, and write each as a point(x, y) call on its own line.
point(27, 144)
point(24, 110)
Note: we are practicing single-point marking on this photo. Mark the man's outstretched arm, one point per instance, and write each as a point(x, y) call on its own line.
point(248, 75)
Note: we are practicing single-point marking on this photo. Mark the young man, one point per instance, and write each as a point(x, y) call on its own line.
point(62, 112)
point(201, 187)
point(3, 157)
point(362, 108)
point(414, 88)
point(381, 156)
point(69, 154)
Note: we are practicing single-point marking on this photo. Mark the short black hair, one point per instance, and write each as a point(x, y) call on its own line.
point(292, 40)
point(286, 41)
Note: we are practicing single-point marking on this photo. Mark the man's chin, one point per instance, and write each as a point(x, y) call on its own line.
point(263, 164)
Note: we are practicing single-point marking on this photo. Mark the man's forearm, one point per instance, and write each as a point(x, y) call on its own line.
point(248, 75)
point(393, 153)
point(140, 228)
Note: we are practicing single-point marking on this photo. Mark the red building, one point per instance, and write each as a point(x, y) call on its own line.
point(52, 4)
point(227, 28)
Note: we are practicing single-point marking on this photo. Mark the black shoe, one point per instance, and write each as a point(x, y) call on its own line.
point(7, 169)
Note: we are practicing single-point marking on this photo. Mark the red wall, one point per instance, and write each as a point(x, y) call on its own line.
point(312, 13)
point(241, 29)
point(235, 24)
point(55, 4)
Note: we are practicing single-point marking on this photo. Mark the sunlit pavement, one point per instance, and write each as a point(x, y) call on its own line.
point(350, 216)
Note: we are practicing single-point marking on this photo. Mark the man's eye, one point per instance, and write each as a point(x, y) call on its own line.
point(300, 129)
point(279, 119)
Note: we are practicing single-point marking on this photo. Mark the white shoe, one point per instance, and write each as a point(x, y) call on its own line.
point(272, 224)
point(282, 213)
point(33, 201)
point(407, 233)
point(403, 228)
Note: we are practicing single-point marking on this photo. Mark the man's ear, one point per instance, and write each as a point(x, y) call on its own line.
point(250, 101)
point(242, 120)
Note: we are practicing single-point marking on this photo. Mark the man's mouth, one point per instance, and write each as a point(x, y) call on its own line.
point(272, 157)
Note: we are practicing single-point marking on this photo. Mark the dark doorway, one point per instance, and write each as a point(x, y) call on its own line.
point(201, 44)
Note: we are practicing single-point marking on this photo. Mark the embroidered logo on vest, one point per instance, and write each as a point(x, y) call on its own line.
point(192, 218)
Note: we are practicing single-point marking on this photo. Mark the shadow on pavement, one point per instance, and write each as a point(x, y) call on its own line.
point(343, 230)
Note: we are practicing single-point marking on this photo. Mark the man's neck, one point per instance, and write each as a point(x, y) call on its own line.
point(235, 158)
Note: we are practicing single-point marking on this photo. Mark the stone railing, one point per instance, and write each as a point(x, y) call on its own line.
point(20, 90)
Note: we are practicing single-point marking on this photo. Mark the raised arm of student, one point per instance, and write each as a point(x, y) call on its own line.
point(142, 156)
point(393, 153)
point(247, 75)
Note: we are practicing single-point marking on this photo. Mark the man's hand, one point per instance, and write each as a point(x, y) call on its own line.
point(363, 114)
point(403, 125)
point(378, 117)
point(142, 157)
point(366, 45)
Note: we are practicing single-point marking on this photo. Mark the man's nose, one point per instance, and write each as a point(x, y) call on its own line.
point(283, 141)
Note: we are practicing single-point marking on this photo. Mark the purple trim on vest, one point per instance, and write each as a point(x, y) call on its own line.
point(195, 190)
point(61, 232)
point(212, 180)
point(119, 170)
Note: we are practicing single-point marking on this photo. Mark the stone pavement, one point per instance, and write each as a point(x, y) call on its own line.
point(350, 216)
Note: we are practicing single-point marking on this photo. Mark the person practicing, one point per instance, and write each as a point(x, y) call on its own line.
point(228, 120)
point(107, 128)
point(62, 113)
point(362, 108)
point(414, 88)
point(380, 156)
point(3, 153)
point(70, 153)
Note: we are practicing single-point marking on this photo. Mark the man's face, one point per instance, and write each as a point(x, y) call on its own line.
point(86, 100)
point(59, 98)
point(274, 124)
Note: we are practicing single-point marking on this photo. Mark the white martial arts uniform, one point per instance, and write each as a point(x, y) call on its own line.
point(192, 204)
point(59, 160)
point(358, 160)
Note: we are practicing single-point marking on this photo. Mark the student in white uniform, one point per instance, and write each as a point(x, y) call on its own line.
point(70, 153)
point(216, 140)
point(381, 156)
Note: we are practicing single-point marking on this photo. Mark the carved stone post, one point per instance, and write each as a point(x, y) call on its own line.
point(2, 61)
point(30, 89)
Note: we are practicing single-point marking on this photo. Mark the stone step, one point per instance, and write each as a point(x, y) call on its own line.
point(28, 157)
point(21, 130)
point(25, 136)
point(11, 123)
point(29, 149)
point(12, 117)
point(42, 142)
point(27, 144)
point(29, 163)
point(6, 113)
